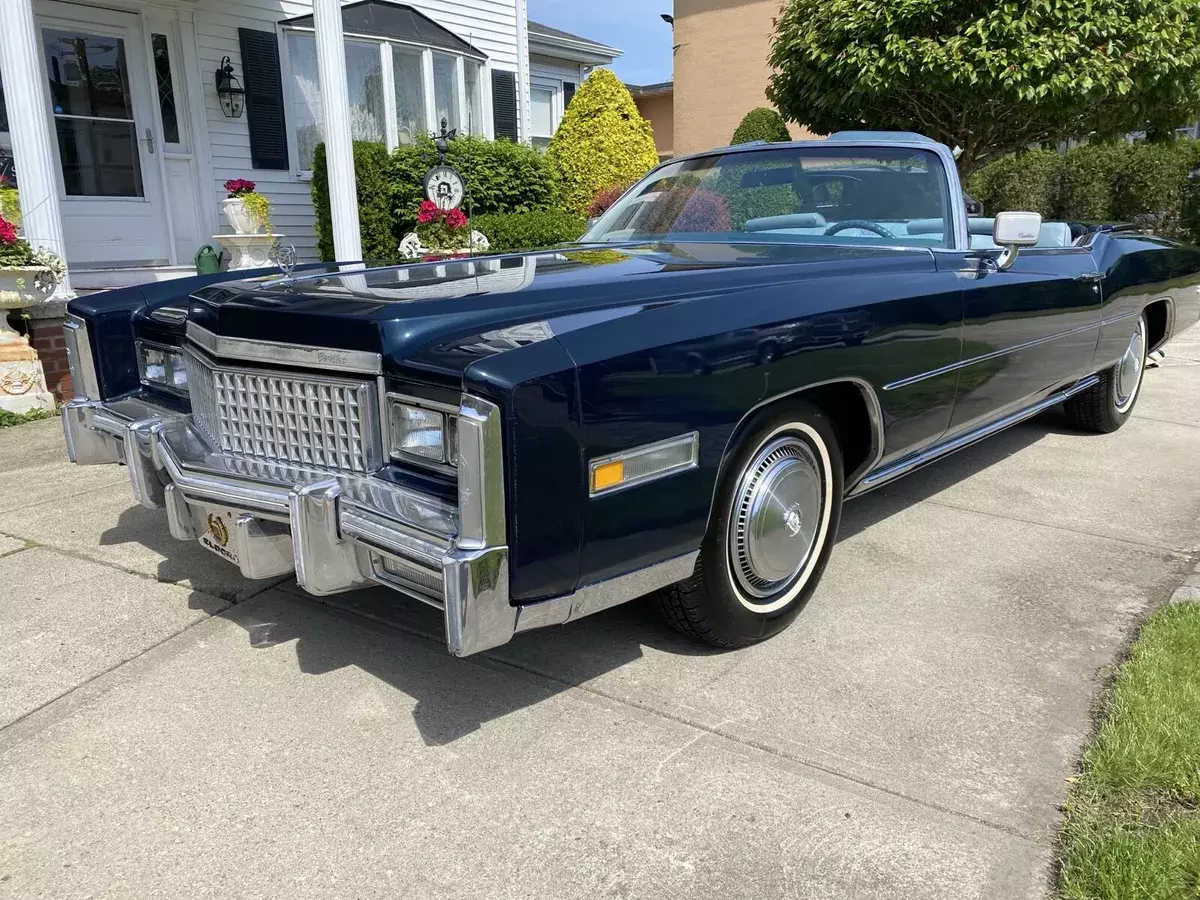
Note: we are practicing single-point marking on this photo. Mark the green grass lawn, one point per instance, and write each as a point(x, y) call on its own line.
point(1133, 819)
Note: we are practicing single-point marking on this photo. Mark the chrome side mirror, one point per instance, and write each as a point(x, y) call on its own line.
point(1012, 231)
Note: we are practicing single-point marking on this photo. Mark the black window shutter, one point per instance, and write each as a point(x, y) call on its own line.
point(568, 93)
point(504, 104)
point(264, 99)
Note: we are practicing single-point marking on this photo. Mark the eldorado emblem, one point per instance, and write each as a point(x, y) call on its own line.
point(216, 527)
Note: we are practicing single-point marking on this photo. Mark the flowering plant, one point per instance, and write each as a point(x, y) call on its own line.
point(256, 205)
point(15, 253)
point(442, 230)
point(238, 186)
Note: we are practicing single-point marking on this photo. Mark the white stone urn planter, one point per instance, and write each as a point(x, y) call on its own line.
point(22, 380)
point(239, 220)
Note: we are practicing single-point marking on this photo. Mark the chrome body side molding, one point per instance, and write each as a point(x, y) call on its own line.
point(915, 461)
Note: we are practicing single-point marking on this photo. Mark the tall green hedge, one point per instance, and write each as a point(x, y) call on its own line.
point(1146, 183)
point(374, 202)
point(528, 230)
point(500, 177)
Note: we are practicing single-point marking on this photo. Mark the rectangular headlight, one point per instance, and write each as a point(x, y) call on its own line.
point(163, 367)
point(423, 432)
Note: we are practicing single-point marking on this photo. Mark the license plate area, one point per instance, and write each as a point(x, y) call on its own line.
point(218, 533)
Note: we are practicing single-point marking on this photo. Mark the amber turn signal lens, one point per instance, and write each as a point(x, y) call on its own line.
point(607, 475)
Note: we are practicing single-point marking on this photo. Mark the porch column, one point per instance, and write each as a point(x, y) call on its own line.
point(28, 104)
point(339, 151)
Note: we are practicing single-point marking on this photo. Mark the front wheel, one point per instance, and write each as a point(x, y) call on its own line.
point(1106, 406)
point(773, 524)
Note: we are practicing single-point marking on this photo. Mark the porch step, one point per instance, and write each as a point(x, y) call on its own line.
point(90, 280)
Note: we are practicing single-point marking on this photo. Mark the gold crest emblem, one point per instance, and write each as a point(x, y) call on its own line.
point(216, 527)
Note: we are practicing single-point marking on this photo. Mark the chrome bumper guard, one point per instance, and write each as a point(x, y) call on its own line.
point(339, 532)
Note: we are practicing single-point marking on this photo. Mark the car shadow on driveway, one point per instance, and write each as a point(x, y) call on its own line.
point(401, 644)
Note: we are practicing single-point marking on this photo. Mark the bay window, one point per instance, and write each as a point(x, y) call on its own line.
point(398, 92)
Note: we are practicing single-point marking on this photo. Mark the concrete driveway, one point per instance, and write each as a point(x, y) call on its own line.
point(169, 730)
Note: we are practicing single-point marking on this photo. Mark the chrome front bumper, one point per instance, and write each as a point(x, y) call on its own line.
point(336, 532)
point(339, 532)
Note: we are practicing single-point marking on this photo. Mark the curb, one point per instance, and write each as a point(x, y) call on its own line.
point(1189, 591)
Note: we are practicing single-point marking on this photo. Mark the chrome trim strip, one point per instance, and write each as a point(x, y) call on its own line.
point(904, 466)
point(139, 460)
point(874, 413)
point(84, 378)
point(692, 437)
point(361, 362)
point(983, 357)
point(481, 518)
point(390, 537)
point(601, 595)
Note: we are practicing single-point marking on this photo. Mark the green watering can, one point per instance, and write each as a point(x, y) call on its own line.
point(208, 261)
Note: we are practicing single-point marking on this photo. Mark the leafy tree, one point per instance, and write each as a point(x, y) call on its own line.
point(989, 77)
point(761, 124)
point(602, 141)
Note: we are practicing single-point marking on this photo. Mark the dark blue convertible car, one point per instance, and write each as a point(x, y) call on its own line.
point(678, 404)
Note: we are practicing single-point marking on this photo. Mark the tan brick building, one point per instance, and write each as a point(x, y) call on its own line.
point(721, 73)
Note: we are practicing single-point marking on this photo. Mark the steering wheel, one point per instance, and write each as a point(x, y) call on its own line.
point(859, 223)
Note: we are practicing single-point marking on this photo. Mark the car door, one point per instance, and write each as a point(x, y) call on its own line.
point(1026, 330)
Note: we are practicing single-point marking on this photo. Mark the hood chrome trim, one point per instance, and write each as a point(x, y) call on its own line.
point(329, 359)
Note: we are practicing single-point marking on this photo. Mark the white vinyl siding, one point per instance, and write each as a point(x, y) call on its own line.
point(489, 25)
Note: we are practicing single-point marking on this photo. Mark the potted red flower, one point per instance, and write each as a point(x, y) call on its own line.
point(443, 232)
point(246, 210)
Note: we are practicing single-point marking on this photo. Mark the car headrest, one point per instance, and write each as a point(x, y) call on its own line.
point(927, 226)
point(981, 225)
point(792, 220)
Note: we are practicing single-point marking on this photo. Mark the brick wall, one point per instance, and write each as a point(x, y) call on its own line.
point(721, 69)
point(46, 337)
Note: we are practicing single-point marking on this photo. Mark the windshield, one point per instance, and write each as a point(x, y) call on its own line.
point(811, 194)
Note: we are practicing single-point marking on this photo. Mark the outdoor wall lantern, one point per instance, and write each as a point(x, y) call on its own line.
point(229, 91)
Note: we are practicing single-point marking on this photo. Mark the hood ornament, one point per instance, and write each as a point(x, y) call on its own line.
point(285, 258)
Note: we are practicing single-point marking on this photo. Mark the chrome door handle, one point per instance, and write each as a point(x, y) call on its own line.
point(1090, 276)
point(149, 141)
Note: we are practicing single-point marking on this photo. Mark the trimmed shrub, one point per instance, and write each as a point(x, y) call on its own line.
point(761, 124)
point(374, 203)
point(1087, 179)
point(1147, 186)
point(528, 231)
point(499, 177)
point(602, 140)
point(1028, 182)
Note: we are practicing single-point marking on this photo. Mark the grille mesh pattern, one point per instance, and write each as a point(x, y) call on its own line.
point(282, 418)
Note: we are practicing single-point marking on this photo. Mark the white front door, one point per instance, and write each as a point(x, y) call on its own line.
point(110, 179)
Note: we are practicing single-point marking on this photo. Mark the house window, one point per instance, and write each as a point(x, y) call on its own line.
point(408, 78)
point(543, 120)
point(392, 110)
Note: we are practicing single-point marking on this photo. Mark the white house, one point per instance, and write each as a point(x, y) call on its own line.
point(110, 114)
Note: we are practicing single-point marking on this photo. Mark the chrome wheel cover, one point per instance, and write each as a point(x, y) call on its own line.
point(1128, 374)
point(778, 519)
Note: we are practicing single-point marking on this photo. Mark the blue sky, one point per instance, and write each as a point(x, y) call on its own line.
point(630, 25)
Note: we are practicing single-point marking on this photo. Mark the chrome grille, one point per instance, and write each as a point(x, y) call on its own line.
point(311, 421)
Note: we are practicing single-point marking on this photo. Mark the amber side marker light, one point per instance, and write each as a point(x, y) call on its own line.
point(643, 464)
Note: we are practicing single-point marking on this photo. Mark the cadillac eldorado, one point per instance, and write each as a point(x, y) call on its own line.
point(677, 405)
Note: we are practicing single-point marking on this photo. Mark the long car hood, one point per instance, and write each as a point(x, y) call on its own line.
point(503, 301)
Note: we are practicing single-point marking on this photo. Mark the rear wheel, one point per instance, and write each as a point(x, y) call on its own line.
point(774, 521)
point(1106, 406)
